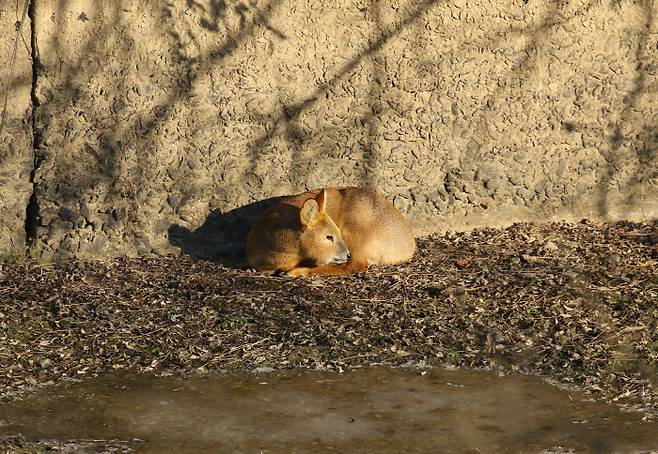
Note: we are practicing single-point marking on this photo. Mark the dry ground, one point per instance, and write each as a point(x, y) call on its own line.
point(577, 303)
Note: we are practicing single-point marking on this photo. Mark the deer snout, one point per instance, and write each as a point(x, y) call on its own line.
point(343, 255)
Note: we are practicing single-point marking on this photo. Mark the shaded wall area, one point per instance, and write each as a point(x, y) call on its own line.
point(157, 122)
point(16, 156)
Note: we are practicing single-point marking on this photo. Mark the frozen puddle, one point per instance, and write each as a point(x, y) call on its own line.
point(370, 410)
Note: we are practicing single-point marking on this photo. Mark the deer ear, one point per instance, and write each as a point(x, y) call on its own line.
point(309, 212)
point(321, 198)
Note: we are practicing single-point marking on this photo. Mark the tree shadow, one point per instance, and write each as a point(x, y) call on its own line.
point(222, 236)
point(646, 158)
point(287, 119)
point(630, 157)
point(104, 167)
point(524, 61)
point(121, 159)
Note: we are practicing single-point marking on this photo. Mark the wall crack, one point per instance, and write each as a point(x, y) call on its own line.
point(32, 209)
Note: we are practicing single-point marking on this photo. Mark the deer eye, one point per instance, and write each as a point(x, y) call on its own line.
point(330, 237)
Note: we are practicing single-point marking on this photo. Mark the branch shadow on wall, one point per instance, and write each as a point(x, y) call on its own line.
point(70, 183)
point(287, 120)
point(222, 235)
point(69, 189)
point(96, 172)
point(646, 144)
point(218, 232)
point(619, 149)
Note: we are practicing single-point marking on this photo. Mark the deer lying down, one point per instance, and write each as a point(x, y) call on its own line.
point(329, 231)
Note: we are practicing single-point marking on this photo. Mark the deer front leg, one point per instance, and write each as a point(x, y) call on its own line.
point(329, 270)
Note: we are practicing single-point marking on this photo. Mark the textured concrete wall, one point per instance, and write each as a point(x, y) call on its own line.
point(157, 122)
point(16, 136)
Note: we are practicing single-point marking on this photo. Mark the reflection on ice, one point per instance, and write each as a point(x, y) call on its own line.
point(373, 410)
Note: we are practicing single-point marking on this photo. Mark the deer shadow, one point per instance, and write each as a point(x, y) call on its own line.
point(222, 236)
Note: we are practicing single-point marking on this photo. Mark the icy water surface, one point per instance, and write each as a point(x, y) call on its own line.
point(369, 410)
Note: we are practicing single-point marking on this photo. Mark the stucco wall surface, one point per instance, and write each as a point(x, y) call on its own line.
point(160, 124)
point(16, 156)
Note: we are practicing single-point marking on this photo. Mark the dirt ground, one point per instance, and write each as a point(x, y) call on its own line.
point(576, 303)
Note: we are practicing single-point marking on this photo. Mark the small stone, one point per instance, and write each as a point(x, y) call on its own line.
point(473, 146)
point(418, 194)
point(493, 184)
point(401, 203)
point(440, 204)
point(525, 194)
point(84, 211)
point(437, 194)
point(67, 214)
point(119, 213)
point(540, 187)
point(531, 259)
point(550, 246)
point(46, 363)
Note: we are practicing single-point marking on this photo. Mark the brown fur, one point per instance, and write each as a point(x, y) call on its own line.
point(291, 235)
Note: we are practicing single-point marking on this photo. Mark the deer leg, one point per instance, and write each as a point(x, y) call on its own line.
point(353, 266)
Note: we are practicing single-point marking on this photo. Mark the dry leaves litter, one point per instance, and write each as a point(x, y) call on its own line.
point(576, 303)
